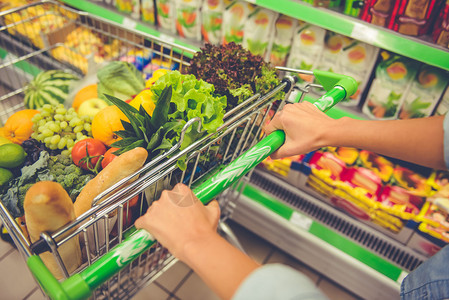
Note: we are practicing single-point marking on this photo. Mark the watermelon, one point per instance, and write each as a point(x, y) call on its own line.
point(48, 87)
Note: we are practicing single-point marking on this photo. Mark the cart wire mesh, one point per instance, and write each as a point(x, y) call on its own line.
point(47, 36)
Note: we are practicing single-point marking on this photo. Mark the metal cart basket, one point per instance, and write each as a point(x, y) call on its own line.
point(46, 35)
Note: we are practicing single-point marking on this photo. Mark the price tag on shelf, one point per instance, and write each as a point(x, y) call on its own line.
point(364, 33)
point(301, 220)
point(129, 23)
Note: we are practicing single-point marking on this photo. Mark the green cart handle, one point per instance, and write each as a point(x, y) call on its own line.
point(81, 285)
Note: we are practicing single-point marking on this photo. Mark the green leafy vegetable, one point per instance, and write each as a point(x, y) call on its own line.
point(179, 98)
point(233, 71)
point(119, 79)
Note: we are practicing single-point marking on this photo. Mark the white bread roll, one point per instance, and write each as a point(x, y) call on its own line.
point(47, 208)
point(122, 166)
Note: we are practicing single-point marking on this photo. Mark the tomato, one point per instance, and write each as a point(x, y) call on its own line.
point(87, 152)
point(108, 157)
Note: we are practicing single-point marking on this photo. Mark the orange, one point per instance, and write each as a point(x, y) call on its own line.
point(86, 93)
point(105, 122)
point(19, 127)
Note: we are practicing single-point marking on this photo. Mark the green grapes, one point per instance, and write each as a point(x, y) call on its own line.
point(60, 128)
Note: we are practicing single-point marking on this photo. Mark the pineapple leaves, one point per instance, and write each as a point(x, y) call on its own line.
point(142, 130)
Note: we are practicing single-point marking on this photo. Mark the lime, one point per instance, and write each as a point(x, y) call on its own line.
point(4, 140)
point(5, 176)
point(11, 155)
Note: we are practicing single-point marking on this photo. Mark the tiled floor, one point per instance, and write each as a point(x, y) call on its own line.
point(178, 283)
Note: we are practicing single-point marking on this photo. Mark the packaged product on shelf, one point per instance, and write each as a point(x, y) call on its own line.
point(393, 77)
point(440, 32)
point(347, 154)
point(331, 52)
point(434, 218)
point(414, 17)
point(212, 20)
point(284, 28)
point(131, 7)
point(411, 181)
point(443, 105)
point(188, 23)
point(347, 56)
point(357, 60)
point(354, 190)
point(165, 15)
point(424, 93)
point(148, 11)
point(380, 165)
point(353, 7)
point(380, 12)
point(258, 31)
point(308, 42)
point(234, 19)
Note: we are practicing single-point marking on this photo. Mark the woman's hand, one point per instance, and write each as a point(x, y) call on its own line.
point(305, 128)
point(178, 219)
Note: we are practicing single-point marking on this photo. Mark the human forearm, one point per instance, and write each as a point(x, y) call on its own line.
point(222, 266)
point(416, 140)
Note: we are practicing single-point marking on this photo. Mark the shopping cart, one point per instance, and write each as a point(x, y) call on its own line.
point(119, 260)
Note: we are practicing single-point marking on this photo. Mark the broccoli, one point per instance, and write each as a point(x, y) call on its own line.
point(70, 180)
point(73, 169)
point(78, 185)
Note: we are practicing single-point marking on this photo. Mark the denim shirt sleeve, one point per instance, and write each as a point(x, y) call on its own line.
point(277, 282)
point(430, 280)
point(446, 139)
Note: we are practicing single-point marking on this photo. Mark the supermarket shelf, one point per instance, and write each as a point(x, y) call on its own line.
point(357, 256)
point(130, 23)
point(414, 48)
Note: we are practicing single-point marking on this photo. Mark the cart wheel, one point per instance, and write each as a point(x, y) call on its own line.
point(4, 235)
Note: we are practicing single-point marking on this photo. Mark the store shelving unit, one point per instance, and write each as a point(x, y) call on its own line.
point(360, 257)
point(414, 48)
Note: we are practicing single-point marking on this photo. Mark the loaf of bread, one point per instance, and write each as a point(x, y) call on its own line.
point(47, 208)
point(123, 166)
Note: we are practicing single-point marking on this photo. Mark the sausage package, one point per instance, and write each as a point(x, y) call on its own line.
point(415, 17)
point(440, 32)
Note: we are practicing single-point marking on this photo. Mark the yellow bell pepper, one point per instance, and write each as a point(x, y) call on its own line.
point(144, 98)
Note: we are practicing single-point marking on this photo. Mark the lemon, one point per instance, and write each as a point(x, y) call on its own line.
point(11, 155)
point(5, 176)
point(4, 140)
